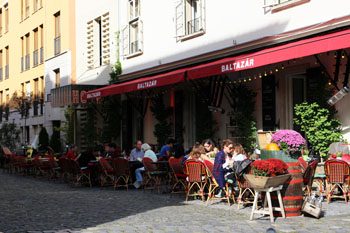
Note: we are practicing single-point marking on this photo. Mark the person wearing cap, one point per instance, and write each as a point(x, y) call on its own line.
point(148, 153)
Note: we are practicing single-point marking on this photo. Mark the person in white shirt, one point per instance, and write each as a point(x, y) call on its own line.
point(148, 153)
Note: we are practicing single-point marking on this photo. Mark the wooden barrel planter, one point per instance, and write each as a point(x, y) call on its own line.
point(292, 192)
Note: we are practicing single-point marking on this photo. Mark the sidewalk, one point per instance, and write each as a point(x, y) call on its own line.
point(37, 205)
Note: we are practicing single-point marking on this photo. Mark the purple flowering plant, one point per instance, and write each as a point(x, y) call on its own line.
point(288, 140)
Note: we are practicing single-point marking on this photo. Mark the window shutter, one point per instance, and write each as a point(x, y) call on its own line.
point(140, 35)
point(202, 14)
point(125, 40)
point(270, 3)
point(179, 18)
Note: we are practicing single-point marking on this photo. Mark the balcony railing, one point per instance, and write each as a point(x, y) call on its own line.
point(35, 107)
point(57, 45)
point(27, 62)
point(192, 26)
point(6, 71)
point(36, 57)
point(1, 74)
point(134, 47)
point(22, 64)
point(41, 55)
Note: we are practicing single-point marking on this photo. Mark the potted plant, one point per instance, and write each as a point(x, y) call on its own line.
point(289, 143)
point(267, 173)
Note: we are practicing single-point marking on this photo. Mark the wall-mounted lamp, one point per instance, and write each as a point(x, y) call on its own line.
point(338, 96)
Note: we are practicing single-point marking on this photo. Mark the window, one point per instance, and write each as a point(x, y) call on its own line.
point(28, 93)
point(36, 5)
point(22, 54)
point(36, 50)
point(0, 65)
point(7, 96)
point(36, 88)
point(0, 22)
point(98, 41)
point(7, 62)
point(26, 8)
point(27, 54)
point(6, 18)
point(22, 12)
point(132, 34)
point(41, 43)
point(279, 5)
point(42, 87)
point(57, 41)
point(190, 18)
point(57, 78)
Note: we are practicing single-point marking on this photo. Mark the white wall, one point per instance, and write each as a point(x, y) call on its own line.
point(226, 21)
point(88, 10)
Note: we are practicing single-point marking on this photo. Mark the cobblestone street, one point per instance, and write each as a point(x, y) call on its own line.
point(30, 204)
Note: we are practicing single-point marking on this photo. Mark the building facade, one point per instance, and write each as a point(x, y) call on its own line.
point(194, 37)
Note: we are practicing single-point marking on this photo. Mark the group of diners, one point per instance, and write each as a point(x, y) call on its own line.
point(223, 160)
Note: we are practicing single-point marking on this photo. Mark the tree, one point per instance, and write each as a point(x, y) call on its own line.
point(319, 126)
point(68, 127)
point(55, 141)
point(9, 135)
point(43, 139)
point(162, 113)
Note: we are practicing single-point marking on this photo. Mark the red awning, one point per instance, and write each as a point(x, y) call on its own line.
point(302, 48)
point(169, 78)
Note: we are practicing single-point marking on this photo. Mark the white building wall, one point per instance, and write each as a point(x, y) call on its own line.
point(88, 10)
point(226, 21)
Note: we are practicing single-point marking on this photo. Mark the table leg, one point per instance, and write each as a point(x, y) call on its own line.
point(254, 204)
point(281, 203)
point(270, 206)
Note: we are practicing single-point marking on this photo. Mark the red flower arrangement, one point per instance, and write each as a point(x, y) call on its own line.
point(269, 167)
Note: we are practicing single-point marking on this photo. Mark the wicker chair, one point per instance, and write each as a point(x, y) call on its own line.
point(122, 173)
point(152, 175)
point(178, 177)
point(41, 168)
point(65, 170)
point(107, 172)
point(25, 167)
point(214, 186)
point(308, 177)
point(55, 169)
point(79, 176)
point(197, 177)
point(245, 190)
point(337, 175)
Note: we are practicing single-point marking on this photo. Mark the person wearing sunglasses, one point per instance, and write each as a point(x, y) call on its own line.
point(220, 159)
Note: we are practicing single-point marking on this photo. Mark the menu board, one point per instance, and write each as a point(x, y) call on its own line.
point(268, 103)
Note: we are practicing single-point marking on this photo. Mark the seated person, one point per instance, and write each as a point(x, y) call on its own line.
point(72, 153)
point(167, 148)
point(148, 154)
point(238, 155)
point(85, 157)
point(137, 151)
point(210, 148)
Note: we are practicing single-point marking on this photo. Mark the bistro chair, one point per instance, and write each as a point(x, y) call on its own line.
point(121, 168)
point(178, 177)
point(25, 166)
point(80, 176)
point(55, 169)
point(245, 190)
point(196, 178)
point(337, 175)
point(152, 175)
point(106, 173)
point(308, 177)
point(41, 168)
point(65, 170)
point(214, 186)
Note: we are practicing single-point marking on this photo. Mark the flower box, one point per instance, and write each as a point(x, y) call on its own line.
point(264, 181)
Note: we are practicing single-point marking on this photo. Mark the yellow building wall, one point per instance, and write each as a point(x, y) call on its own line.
point(19, 26)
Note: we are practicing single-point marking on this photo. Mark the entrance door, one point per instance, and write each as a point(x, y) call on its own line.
point(297, 96)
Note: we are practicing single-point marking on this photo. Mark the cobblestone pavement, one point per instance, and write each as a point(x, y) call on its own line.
point(30, 204)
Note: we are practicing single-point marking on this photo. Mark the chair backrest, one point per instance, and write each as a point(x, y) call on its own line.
point(21, 159)
point(195, 170)
point(148, 164)
point(106, 166)
point(53, 163)
point(74, 166)
point(64, 165)
point(121, 166)
point(336, 170)
point(303, 163)
point(210, 166)
point(309, 173)
point(6, 150)
point(176, 166)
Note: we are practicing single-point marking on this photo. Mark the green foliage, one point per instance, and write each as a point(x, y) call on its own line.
point(111, 118)
point(68, 127)
point(205, 124)
point(43, 139)
point(55, 141)
point(9, 135)
point(319, 127)
point(88, 129)
point(243, 100)
point(116, 71)
point(162, 129)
